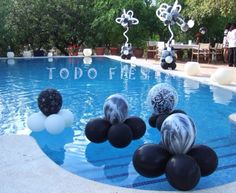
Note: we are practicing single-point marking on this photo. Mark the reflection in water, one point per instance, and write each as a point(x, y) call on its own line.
point(53, 145)
point(87, 60)
point(221, 96)
point(50, 60)
point(11, 62)
point(115, 162)
point(190, 86)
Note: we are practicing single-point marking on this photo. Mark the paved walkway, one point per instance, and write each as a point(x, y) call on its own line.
point(204, 76)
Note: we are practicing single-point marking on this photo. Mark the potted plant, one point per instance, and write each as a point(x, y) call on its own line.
point(138, 48)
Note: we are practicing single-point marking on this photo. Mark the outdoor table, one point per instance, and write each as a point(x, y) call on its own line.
point(184, 46)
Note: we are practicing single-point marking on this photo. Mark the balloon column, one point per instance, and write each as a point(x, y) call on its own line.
point(170, 15)
point(127, 20)
point(51, 117)
point(116, 126)
point(176, 156)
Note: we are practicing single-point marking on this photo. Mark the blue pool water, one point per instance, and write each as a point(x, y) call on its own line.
point(84, 89)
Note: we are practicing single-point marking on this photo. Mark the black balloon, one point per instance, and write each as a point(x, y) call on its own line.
point(160, 119)
point(96, 130)
point(49, 101)
point(120, 135)
point(137, 126)
point(205, 157)
point(150, 160)
point(152, 120)
point(183, 172)
point(178, 111)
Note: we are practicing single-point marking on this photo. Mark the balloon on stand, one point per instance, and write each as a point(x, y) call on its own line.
point(178, 133)
point(67, 116)
point(137, 125)
point(120, 135)
point(96, 130)
point(162, 98)
point(115, 109)
point(49, 101)
point(150, 160)
point(183, 172)
point(54, 124)
point(36, 121)
point(205, 157)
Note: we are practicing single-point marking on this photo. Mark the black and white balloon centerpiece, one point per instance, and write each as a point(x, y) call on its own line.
point(116, 126)
point(176, 156)
point(52, 117)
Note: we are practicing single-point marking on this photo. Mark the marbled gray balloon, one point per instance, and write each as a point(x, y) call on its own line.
point(115, 109)
point(162, 98)
point(178, 133)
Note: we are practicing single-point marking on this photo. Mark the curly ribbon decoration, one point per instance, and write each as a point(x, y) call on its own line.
point(170, 15)
point(172, 35)
point(127, 20)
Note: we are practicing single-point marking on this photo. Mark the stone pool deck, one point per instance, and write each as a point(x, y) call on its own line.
point(24, 168)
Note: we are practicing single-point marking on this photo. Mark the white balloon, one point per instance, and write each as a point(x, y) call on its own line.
point(54, 124)
point(169, 59)
point(50, 54)
point(87, 52)
point(223, 76)
point(191, 23)
point(10, 54)
point(36, 121)
point(192, 68)
point(67, 116)
point(87, 60)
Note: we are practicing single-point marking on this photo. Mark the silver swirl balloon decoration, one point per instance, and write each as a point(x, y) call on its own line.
point(127, 20)
point(170, 15)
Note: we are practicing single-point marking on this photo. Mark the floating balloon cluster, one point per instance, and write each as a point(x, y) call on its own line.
point(170, 15)
point(127, 20)
point(51, 117)
point(116, 126)
point(182, 163)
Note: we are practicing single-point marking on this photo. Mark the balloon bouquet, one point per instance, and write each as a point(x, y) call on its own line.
point(116, 126)
point(127, 20)
point(182, 162)
point(170, 15)
point(51, 117)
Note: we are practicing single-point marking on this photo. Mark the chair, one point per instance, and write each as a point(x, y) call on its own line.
point(202, 50)
point(151, 49)
point(160, 47)
point(217, 51)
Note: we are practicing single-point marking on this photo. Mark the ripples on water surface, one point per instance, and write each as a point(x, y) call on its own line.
point(84, 89)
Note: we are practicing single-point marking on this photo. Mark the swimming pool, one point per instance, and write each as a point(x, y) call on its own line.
point(84, 89)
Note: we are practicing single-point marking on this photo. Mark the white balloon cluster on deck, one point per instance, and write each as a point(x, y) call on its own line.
point(192, 68)
point(170, 15)
point(54, 123)
point(223, 76)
